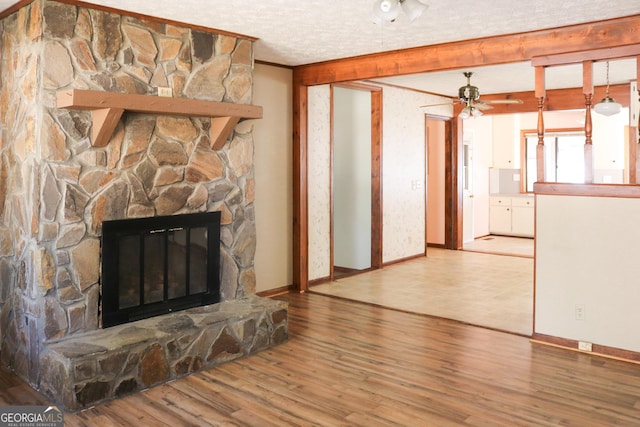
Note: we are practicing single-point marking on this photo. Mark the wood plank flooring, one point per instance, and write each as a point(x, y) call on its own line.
point(353, 364)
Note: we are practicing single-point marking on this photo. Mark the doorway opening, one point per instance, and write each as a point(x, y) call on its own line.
point(444, 178)
point(435, 182)
point(356, 217)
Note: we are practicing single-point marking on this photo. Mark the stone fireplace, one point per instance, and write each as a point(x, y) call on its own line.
point(57, 189)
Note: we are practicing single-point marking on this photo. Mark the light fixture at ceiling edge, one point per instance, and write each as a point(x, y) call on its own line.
point(388, 10)
point(608, 106)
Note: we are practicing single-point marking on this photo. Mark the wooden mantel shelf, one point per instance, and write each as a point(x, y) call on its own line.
point(107, 108)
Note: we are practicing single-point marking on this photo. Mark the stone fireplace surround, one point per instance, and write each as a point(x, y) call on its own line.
point(56, 189)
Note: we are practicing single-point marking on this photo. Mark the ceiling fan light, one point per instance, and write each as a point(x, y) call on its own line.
point(607, 107)
point(385, 11)
point(413, 9)
point(475, 112)
point(465, 113)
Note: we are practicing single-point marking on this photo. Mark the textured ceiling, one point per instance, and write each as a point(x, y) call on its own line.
point(296, 32)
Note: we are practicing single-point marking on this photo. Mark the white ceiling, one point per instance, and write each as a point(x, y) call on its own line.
point(296, 32)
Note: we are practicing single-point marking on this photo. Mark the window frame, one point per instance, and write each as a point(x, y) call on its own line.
point(523, 150)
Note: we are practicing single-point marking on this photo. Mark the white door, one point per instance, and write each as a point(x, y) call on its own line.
point(467, 189)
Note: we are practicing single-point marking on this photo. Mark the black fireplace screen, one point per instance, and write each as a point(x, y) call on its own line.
point(153, 266)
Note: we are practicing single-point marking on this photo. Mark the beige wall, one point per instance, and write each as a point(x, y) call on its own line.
point(273, 171)
point(586, 256)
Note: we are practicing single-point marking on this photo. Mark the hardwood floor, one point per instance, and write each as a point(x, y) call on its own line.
point(353, 364)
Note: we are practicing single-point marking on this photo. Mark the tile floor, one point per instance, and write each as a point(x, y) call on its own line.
point(503, 245)
point(489, 290)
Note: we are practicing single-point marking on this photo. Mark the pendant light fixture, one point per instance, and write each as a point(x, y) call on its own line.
point(386, 11)
point(608, 106)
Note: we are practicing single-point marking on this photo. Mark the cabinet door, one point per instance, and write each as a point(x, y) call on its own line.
point(500, 220)
point(522, 221)
point(505, 142)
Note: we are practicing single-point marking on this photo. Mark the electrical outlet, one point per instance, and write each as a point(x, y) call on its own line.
point(584, 346)
point(580, 311)
point(165, 91)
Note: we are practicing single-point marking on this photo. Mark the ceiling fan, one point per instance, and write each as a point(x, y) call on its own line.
point(469, 95)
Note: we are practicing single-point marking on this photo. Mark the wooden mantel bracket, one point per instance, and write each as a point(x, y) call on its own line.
point(107, 108)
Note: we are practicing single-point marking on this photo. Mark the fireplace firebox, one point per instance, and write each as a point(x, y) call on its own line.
point(153, 266)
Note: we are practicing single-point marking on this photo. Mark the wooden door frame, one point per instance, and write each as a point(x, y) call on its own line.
point(376, 173)
point(453, 177)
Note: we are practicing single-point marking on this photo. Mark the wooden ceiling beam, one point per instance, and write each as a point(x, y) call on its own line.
point(503, 49)
point(619, 52)
point(555, 99)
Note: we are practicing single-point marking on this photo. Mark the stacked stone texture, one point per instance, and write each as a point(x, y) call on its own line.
point(79, 371)
point(56, 189)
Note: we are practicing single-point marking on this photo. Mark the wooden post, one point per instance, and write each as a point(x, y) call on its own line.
point(638, 89)
point(636, 168)
point(300, 187)
point(540, 94)
point(587, 90)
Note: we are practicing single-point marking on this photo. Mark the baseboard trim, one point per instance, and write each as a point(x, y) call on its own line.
point(436, 245)
point(597, 349)
point(409, 258)
point(276, 291)
point(319, 281)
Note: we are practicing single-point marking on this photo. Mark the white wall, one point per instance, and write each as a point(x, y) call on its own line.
point(586, 254)
point(609, 147)
point(352, 178)
point(273, 173)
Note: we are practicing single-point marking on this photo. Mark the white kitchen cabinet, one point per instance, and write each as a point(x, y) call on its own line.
point(500, 215)
point(511, 216)
point(506, 141)
point(522, 216)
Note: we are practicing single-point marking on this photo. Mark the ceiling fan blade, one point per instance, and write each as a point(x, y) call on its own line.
point(437, 105)
point(503, 101)
point(482, 105)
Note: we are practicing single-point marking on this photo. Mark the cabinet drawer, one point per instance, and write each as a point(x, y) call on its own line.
point(500, 201)
point(522, 201)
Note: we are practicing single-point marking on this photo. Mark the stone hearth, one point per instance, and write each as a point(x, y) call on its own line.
point(82, 370)
point(56, 189)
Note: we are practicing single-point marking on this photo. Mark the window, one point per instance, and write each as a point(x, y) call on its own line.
point(564, 157)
